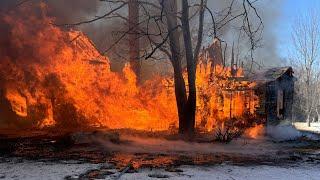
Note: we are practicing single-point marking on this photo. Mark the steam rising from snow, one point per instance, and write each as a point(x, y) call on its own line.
point(283, 132)
point(286, 131)
point(164, 146)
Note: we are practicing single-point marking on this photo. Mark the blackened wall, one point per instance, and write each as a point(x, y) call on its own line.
point(285, 85)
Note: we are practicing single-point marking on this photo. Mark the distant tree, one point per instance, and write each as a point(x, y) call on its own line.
point(306, 41)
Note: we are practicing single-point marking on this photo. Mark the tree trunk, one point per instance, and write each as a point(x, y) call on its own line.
point(308, 120)
point(191, 69)
point(134, 46)
point(170, 10)
point(186, 103)
point(318, 115)
point(181, 98)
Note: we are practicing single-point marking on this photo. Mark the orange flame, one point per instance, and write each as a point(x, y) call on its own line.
point(255, 132)
point(58, 78)
point(222, 96)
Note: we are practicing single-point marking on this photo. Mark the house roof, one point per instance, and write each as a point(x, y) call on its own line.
point(271, 74)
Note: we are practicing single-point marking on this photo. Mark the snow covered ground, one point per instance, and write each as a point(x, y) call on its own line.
point(227, 172)
point(23, 169)
point(296, 159)
point(303, 126)
point(234, 172)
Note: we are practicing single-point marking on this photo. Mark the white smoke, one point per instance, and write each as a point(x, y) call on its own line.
point(283, 132)
point(286, 131)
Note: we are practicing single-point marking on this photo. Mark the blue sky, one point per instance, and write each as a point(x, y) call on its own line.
point(290, 10)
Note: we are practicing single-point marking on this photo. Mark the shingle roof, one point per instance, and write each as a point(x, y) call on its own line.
point(267, 75)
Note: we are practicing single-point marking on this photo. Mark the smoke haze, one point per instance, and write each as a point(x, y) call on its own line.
point(104, 32)
point(270, 12)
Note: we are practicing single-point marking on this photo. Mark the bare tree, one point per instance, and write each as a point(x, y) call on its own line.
point(186, 102)
point(170, 10)
point(306, 41)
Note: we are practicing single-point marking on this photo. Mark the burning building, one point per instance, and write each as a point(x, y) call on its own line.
point(226, 97)
point(53, 77)
point(267, 94)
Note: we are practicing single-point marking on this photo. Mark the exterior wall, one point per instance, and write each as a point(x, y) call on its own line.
point(288, 87)
point(260, 91)
point(271, 103)
point(279, 99)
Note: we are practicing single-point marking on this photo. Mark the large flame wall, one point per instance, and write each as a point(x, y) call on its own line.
point(55, 77)
point(51, 77)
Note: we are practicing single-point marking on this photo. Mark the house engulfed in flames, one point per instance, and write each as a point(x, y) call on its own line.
point(51, 77)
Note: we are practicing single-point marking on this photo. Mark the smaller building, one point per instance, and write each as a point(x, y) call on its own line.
point(275, 89)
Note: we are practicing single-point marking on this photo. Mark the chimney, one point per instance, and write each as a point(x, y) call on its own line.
point(215, 52)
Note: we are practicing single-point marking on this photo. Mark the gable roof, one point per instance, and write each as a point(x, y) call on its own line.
point(267, 75)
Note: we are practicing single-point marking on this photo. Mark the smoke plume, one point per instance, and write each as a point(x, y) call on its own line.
point(269, 12)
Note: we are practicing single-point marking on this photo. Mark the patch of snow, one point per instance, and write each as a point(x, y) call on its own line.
point(34, 170)
point(303, 126)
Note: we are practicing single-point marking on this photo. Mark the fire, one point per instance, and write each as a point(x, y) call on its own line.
point(60, 79)
point(56, 78)
point(223, 96)
point(17, 102)
point(255, 132)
